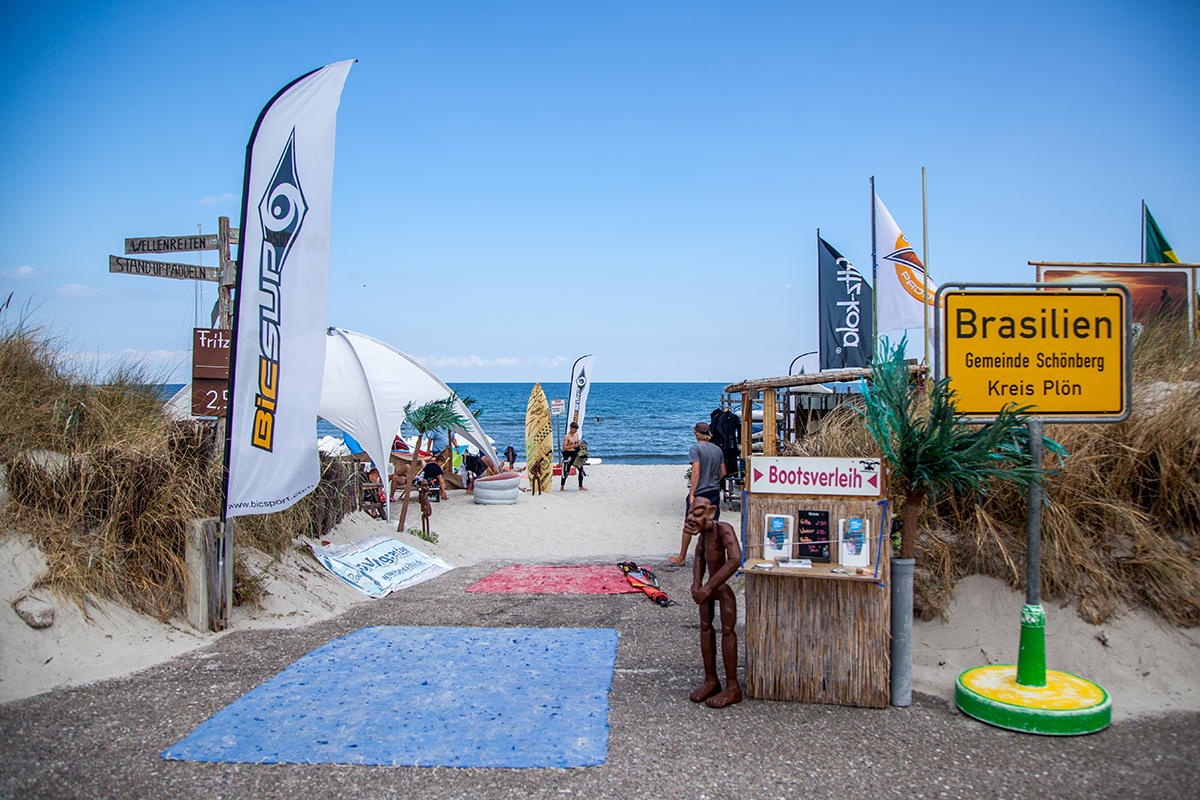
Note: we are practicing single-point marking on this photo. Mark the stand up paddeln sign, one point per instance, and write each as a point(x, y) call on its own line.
point(1063, 350)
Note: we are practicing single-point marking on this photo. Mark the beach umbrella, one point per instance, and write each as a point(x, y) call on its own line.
point(368, 383)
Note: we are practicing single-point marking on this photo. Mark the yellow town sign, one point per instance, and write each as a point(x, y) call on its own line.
point(1062, 352)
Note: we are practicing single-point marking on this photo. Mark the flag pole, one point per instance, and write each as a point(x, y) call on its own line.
point(874, 280)
point(925, 272)
point(1143, 254)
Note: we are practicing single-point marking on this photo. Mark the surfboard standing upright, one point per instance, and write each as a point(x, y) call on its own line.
point(539, 441)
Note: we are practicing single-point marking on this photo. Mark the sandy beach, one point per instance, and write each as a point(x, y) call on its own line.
point(628, 512)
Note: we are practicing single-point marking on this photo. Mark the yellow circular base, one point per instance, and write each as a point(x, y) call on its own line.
point(1066, 705)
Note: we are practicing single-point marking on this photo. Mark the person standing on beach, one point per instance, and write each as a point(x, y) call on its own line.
point(718, 552)
point(708, 470)
point(570, 449)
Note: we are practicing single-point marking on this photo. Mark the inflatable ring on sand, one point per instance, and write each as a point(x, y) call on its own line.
point(505, 480)
point(497, 490)
point(489, 501)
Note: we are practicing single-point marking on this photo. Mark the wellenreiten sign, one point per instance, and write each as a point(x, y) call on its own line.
point(176, 244)
point(1063, 353)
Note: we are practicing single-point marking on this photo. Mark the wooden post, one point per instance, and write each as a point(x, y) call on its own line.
point(222, 576)
point(228, 275)
point(769, 425)
point(196, 588)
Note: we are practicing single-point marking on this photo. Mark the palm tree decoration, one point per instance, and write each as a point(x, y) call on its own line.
point(932, 450)
point(434, 416)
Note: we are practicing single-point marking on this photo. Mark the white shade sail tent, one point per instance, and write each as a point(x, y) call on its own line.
point(368, 383)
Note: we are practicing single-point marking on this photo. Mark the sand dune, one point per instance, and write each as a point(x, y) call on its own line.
point(629, 512)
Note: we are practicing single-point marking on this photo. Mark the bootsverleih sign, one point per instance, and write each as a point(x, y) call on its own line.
point(839, 477)
point(1063, 353)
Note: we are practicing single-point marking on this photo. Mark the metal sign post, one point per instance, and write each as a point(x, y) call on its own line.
point(558, 407)
point(1066, 352)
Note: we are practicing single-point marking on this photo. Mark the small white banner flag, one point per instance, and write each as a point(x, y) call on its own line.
point(282, 298)
point(581, 382)
point(900, 291)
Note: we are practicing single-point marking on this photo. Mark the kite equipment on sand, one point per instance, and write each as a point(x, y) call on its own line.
point(642, 578)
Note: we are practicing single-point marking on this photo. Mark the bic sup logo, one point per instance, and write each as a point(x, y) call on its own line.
point(841, 477)
point(280, 213)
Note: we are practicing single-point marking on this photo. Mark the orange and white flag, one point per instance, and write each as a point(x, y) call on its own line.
point(901, 291)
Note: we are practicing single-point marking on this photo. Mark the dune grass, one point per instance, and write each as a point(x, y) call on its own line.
point(1121, 522)
point(104, 483)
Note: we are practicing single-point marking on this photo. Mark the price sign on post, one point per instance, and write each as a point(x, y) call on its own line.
point(210, 371)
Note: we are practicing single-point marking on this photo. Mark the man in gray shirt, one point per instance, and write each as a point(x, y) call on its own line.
point(708, 468)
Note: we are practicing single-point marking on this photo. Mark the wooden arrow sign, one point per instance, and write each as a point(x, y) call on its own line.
point(163, 269)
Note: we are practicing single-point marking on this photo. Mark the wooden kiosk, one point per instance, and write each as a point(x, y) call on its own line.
point(817, 633)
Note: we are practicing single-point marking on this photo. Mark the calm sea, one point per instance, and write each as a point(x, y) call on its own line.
point(625, 423)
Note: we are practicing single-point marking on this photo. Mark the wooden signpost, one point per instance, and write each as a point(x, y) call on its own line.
point(224, 273)
point(210, 551)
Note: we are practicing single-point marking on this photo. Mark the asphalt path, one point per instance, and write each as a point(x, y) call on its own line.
point(103, 740)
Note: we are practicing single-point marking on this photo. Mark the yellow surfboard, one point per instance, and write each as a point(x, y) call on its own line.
point(539, 437)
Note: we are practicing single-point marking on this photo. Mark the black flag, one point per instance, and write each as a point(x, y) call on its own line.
point(845, 300)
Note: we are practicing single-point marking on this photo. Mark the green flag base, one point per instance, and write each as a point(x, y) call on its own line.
point(1066, 706)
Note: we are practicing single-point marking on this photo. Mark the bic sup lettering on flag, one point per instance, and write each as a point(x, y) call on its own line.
point(838, 477)
point(845, 311)
point(282, 299)
point(581, 382)
point(900, 291)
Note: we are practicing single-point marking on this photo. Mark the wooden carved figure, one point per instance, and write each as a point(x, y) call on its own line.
point(535, 477)
point(426, 509)
point(719, 554)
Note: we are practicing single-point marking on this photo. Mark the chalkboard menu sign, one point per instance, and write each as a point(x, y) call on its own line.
point(812, 535)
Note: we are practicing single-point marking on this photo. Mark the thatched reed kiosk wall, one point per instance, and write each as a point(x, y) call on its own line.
point(813, 635)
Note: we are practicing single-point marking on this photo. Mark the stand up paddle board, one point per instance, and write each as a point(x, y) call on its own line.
point(539, 436)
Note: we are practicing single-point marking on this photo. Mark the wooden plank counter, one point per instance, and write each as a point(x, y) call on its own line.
point(815, 636)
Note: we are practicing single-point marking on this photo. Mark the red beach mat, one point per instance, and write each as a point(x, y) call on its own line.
point(524, 579)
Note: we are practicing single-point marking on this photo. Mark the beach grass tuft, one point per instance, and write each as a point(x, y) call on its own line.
point(1121, 522)
point(104, 483)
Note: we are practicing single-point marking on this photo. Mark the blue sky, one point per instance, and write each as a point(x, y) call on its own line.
point(518, 184)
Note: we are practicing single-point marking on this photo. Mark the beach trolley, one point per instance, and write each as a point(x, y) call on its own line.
point(816, 546)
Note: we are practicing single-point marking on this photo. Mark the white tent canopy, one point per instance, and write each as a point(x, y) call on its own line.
point(367, 384)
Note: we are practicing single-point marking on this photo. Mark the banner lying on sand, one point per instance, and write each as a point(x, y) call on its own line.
point(379, 565)
point(581, 381)
point(278, 351)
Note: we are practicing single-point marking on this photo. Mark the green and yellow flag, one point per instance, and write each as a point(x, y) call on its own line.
point(1158, 249)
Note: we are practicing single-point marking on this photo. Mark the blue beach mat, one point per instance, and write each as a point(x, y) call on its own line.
point(449, 697)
